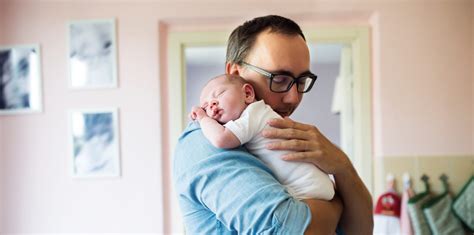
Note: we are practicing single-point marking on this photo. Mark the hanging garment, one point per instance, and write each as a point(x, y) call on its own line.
point(440, 217)
point(389, 204)
point(386, 225)
point(387, 211)
point(463, 206)
point(405, 223)
point(420, 226)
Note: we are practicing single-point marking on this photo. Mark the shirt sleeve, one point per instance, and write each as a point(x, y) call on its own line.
point(237, 188)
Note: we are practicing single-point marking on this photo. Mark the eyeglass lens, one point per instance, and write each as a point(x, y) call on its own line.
point(283, 83)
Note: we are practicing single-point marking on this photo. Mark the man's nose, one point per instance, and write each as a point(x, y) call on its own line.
point(292, 96)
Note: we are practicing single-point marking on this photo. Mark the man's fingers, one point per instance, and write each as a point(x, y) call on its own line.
point(274, 133)
point(310, 157)
point(293, 145)
point(288, 123)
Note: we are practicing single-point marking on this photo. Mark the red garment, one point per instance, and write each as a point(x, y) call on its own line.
point(389, 204)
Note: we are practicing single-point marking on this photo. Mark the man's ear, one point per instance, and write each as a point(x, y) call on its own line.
point(249, 93)
point(232, 68)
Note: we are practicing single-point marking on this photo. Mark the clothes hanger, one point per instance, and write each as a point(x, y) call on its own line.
point(406, 181)
point(431, 202)
point(444, 179)
point(390, 181)
point(421, 195)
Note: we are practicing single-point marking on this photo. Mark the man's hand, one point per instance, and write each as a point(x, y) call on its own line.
point(311, 146)
point(308, 144)
point(197, 113)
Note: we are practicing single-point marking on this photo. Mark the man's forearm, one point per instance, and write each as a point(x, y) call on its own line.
point(325, 216)
point(357, 217)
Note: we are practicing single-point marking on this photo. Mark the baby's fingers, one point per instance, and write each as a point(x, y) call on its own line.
point(192, 116)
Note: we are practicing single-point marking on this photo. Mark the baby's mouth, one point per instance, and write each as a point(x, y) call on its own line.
point(217, 113)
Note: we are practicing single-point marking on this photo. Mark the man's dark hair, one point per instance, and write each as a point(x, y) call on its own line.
point(243, 37)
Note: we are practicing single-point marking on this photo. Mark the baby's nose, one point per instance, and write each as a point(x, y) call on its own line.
point(214, 104)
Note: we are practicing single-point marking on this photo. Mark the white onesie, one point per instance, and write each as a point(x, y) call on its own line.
point(302, 180)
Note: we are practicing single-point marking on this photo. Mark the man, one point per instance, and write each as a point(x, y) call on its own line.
point(233, 192)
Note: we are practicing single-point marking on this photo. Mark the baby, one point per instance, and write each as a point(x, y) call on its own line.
point(230, 116)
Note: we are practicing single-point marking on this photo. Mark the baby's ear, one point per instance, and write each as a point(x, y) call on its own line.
point(249, 93)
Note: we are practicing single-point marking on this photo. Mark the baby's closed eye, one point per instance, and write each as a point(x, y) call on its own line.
point(218, 93)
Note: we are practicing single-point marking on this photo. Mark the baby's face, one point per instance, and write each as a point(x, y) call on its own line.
point(223, 100)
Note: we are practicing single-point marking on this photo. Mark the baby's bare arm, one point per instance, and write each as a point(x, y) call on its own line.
point(217, 134)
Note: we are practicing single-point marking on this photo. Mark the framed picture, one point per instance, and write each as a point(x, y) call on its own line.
point(20, 79)
point(94, 141)
point(92, 54)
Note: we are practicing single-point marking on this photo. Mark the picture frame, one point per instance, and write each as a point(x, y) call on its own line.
point(20, 79)
point(94, 143)
point(92, 54)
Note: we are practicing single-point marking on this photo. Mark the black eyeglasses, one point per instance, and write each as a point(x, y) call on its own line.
point(281, 83)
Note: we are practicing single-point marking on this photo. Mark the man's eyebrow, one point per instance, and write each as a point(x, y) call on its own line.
point(286, 72)
point(306, 73)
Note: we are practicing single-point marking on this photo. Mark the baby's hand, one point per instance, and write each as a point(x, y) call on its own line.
point(197, 113)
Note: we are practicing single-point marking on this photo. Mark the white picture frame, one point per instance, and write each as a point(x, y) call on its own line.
point(94, 140)
point(20, 79)
point(92, 54)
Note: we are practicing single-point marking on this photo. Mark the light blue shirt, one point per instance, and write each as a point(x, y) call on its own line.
point(231, 191)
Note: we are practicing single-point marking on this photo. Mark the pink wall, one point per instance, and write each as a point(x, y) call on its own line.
point(1, 130)
point(424, 77)
point(1, 174)
point(38, 193)
point(423, 92)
